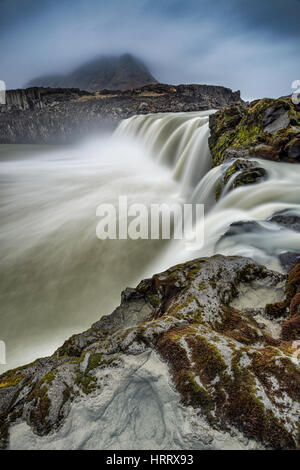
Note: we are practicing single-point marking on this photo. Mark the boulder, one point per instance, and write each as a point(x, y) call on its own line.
point(266, 128)
point(194, 353)
point(240, 173)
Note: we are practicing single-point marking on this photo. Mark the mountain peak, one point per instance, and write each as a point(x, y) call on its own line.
point(111, 72)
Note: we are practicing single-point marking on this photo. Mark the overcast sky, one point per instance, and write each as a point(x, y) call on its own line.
point(243, 44)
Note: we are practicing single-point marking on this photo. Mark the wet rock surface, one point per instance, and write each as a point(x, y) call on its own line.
point(209, 342)
point(277, 223)
point(240, 173)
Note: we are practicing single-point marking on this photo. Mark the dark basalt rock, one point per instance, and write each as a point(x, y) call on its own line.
point(294, 149)
point(275, 119)
point(286, 220)
point(237, 228)
point(59, 116)
point(38, 98)
point(283, 220)
point(288, 260)
point(240, 173)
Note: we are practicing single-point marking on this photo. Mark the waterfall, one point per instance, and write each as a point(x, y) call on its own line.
point(58, 278)
point(181, 142)
point(176, 140)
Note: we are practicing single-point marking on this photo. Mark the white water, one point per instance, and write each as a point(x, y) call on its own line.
point(57, 277)
point(176, 140)
point(280, 192)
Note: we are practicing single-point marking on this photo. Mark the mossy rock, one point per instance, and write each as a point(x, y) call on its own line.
point(240, 173)
point(267, 128)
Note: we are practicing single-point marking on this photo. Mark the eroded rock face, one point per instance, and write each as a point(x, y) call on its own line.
point(267, 128)
point(193, 345)
point(39, 98)
point(64, 115)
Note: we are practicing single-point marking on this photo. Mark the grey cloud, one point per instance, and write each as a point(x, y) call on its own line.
point(247, 45)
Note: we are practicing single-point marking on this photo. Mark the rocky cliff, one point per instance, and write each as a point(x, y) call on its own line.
point(54, 116)
point(201, 356)
point(39, 98)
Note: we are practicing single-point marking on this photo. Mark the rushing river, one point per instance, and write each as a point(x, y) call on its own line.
point(57, 277)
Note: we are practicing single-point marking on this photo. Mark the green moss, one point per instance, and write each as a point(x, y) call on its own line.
point(206, 357)
point(202, 286)
point(11, 380)
point(193, 272)
point(241, 128)
point(154, 300)
point(189, 309)
point(246, 173)
point(49, 377)
point(17, 370)
point(223, 142)
point(86, 382)
point(94, 361)
point(247, 135)
point(44, 402)
point(198, 395)
point(41, 407)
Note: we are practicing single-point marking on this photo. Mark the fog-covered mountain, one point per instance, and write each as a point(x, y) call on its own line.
point(111, 72)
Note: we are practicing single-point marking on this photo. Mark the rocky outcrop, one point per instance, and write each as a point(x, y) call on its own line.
point(240, 172)
point(58, 116)
point(38, 98)
point(267, 128)
point(192, 358)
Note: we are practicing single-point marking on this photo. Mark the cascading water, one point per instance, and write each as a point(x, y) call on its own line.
point(58, 278)
point(280, 191)
point(176, 140)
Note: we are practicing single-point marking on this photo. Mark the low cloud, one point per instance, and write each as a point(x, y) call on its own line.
point(245, 45)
